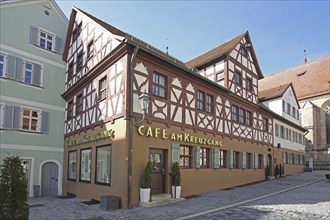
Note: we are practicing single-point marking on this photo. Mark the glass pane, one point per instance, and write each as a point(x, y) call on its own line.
point(161, 81)
point(161, 92)
point(26, 112)
point(42, 34)
point(28, 66)
point(103, 164)
point(154, 90)
point(1, 58)
point(42, 43)
point(49, 37)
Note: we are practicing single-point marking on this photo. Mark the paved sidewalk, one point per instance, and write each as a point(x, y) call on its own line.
point(55, 208)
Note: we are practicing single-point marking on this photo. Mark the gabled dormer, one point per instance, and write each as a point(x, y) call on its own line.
point(233, 65)
point(282, 100)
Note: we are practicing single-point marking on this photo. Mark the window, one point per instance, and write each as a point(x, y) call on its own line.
point(2, 65)
point(287, 133)
point(69, 110)
point(265, 124)
point(46, 40)
point(293, 112)
point(234, 113)
point(185, 156)
point(79, 63)
point(260, 156)
point(288, 108)
point(103, 164)
point(248, 161)
point(286, 158)
point(28, 72)
point(283, 105)
point(244, 51)
point(293, 158)
point(235, 160)
point(30, 120)
point(238, 78)
point(223, 158)
point(103, 88)
point(159, 85)
point(220, 76)
point(209, 104)
point(90, 49)
point(200, 100)
point(72, 167)
point(290, 136)
point(282, 131)
point(248, 84)
point(241, 116)
point(248, 118)
point(276, 130)
point(79, 103)
point(70, 71)
point(76, 32)
point(85, 164)
point(204, 157)
point(297, 114)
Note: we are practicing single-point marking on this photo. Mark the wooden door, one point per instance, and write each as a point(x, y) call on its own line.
point(157, 157)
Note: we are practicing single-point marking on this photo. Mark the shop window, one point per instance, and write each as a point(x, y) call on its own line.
point(204, 157)
point(103, 88)
point(79, 103)
point(85, 164)
point(235, 160)
point(223, 158)
point(103, 164)
point(186, 156)
point(234, 113)
point(159, 85)
point(72, 165)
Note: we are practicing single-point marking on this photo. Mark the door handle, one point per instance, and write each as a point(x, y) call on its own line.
point(163, 171)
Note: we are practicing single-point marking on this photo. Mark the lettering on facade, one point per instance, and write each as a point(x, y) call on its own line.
point(90, 138)
point(183, 137)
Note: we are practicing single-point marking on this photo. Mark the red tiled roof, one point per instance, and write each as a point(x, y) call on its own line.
point(309, 79)
point(216, 52)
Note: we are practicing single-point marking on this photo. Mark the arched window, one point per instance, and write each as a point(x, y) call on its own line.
point(327, 123)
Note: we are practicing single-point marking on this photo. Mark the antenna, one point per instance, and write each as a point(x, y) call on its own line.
point(305, 56)
point(166, 45)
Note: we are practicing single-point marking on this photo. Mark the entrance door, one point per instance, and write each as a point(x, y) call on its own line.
point(157, 157)
point(49, 179)
point(27, 170)
point(269, 163)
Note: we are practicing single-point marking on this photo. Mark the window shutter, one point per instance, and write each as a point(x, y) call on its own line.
point(11, 67)
point(175, 153)
point(231, 159)
point(243, 160)
point(216, 158)
point(58, 45)
point(197, 157)
point(17, 118)
point(37, 75)
point(265, 161)
point(34, 35)
point(44, 122)
point(8, 117)
point(19, 69)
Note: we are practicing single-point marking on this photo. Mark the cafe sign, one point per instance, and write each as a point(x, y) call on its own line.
point(183, 137)
point(90, 138)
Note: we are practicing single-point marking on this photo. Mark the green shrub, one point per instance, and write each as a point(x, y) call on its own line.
point(13, 193)
point(267, 171)
point(146, 179)
point(176, 174)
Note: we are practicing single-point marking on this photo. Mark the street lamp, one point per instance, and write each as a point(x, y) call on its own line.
point(144, 99)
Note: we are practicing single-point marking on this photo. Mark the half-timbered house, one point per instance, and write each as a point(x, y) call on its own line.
point(203, 114)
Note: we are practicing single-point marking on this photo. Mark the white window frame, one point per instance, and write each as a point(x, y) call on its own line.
point(4, 63)
point(38, 125)
point(2, 115)
point(25, 61)
point(47, 33)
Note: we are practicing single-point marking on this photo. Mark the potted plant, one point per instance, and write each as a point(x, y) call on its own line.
point(145, 184)
point(267, 172)
point(277, 171)
point(176, 187)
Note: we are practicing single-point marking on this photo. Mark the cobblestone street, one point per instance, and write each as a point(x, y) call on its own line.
point(302, 196)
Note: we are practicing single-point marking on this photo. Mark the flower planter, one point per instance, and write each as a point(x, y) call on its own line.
point(176, 192)
point(144, 195)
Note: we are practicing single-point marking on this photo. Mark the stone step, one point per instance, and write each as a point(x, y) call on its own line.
point(160, 200)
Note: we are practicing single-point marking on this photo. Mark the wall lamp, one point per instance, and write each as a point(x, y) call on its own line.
point(144, 100)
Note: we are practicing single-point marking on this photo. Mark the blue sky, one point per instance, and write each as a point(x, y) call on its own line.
point(280, 30)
